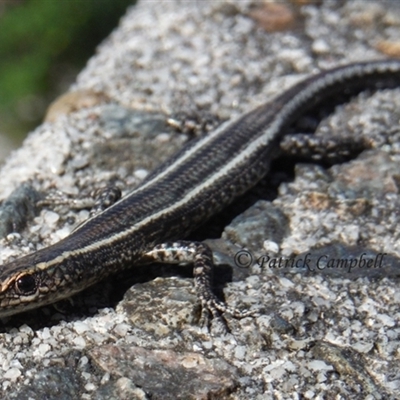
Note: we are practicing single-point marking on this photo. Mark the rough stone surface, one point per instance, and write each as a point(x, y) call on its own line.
point(164, 372)
point(318, 336)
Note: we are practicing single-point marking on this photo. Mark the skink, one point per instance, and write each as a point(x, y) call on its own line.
point(205, 176)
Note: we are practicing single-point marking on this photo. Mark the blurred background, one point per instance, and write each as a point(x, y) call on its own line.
point(43, 46)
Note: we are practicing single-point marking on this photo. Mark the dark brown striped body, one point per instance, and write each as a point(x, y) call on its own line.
point(181, 194)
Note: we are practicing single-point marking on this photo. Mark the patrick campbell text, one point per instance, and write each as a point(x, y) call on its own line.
point(245, 259)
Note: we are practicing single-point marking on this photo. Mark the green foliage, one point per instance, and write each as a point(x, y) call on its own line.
point(41, 39)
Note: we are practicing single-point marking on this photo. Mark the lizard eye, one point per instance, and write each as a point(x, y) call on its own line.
point(26, 284)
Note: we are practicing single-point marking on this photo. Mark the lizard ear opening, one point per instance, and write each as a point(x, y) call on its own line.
point(25, 284)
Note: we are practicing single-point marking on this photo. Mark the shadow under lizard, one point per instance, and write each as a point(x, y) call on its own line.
point(204, 177)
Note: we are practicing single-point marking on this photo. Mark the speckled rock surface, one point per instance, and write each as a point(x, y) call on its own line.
point(319, 335)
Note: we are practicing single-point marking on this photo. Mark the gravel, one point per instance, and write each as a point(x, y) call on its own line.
point(318, 336)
